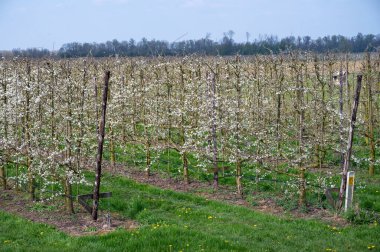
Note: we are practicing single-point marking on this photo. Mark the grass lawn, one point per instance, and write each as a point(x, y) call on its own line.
point(172, 221)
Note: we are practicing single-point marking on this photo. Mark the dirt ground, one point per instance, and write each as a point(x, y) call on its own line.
point(81, 222)
point(53, 214)
point(225, 194)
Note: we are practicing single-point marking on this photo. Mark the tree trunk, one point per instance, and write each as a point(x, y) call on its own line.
point(81, 120)
point(213, 133)
point(31, 187)
point(112, 149)
point(68, 196)
point(69, 135)
point(237, 134)
point(185, 168)
point(3, 175)
point(371, 136)
point(301, 129)
point(148, 159)
point(302, 187)
point(238, 179)
point(183, 134)
point(370, 120)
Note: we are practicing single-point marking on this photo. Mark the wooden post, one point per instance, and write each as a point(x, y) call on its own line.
point(341, 144)
point(213, 132)
point(349, 190)
point(350, 140)
point(99, 156)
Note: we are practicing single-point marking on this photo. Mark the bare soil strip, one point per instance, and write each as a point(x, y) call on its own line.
point(77, 224)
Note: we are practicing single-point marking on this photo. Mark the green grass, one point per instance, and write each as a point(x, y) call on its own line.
point(368, 192)
point(172, 221)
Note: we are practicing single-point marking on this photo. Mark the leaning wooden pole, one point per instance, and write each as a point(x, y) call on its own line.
point(101, 134)
point(350, 139)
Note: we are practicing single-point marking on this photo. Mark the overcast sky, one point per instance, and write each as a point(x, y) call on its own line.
point(44, 23)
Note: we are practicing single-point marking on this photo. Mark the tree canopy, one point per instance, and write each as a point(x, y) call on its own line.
point(205, 46)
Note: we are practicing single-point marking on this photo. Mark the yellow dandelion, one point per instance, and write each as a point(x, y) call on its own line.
point(370, 247)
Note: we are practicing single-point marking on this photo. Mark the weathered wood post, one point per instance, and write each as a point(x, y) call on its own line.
point(350, 140)
point(349, 190)
point(101, 134)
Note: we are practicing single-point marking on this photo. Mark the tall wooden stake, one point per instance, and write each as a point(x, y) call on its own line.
point(213, 133)
point(31, 180)
point(341, 144)
point(3, 175)
point(350, 139)
point(99, 156)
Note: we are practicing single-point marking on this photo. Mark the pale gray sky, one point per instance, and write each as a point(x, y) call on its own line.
point(42, 23)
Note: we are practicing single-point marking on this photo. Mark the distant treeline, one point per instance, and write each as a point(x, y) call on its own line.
point(206, 46)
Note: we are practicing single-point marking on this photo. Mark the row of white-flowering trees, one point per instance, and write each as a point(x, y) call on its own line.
point(264, 110)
